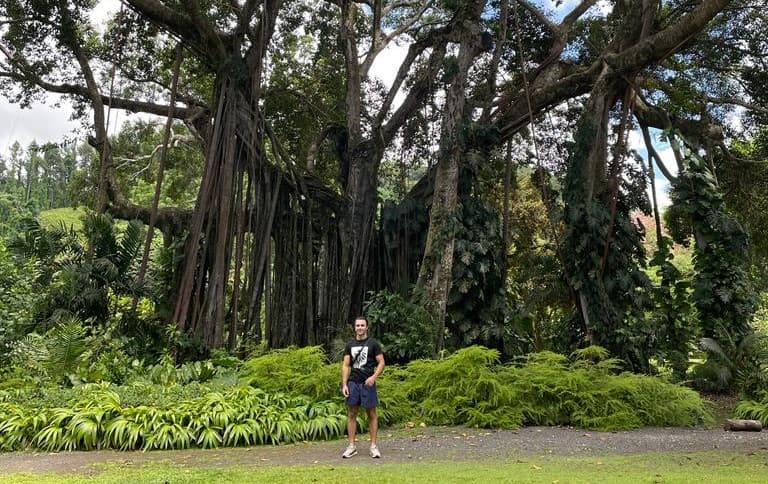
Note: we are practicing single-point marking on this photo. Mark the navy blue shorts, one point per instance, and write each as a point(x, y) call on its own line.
point(361, 394)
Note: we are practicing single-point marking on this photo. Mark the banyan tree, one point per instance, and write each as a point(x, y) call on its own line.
point(284, 100)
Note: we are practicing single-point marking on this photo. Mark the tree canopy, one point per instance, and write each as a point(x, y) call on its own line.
point(274, 107)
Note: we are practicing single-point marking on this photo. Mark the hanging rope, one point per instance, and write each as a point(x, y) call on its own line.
point(160, 172)
point(579, 295)
point(105, 148)
point(532, 124)
point(615, 171)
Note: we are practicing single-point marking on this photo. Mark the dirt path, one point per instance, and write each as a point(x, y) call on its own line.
point(453, 443)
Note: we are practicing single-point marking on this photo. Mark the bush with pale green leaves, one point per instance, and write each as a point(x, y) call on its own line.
point(586, 390)
point(754, 409)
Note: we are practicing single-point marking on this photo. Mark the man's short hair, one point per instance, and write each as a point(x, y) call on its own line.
point(363, 318)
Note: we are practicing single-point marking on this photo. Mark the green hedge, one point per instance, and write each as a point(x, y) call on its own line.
point(293, 394)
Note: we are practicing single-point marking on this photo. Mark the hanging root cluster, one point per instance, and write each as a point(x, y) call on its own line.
point(262, 254)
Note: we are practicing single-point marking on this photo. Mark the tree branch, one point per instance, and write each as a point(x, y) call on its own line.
point(562, 80)
point(192, 30)
point(654, 154)
point(667, 41)
point(737, 102)
point(131, 105)
point(380, 43)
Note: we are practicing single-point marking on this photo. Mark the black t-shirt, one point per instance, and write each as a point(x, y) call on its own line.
point(362, 355)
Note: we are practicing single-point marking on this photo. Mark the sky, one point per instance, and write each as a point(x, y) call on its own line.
point(44, 122)
point(50, 122)
point(635, 142)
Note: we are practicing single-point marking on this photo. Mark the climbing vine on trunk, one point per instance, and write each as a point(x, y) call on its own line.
point(722, 290)
point(604, 256)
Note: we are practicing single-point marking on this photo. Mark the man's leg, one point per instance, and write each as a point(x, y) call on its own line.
point(373, 423)
point(352, 423)
point(351, 450)
point(370, 400)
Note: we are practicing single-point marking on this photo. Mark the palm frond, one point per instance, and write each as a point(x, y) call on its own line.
point(66, 344)
point(130, 246)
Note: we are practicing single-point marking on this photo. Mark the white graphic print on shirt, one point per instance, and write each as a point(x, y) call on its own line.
point(359, 361)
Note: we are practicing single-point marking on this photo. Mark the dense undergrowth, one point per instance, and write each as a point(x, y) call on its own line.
point(293, 395)
point(754, 409)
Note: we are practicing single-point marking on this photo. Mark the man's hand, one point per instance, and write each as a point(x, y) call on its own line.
point(370, 381)
point(345, 390)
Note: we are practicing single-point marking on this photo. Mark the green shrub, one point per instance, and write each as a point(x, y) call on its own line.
point(71, 353)
point(394, 404)
point(754, 409)
point(588, 391)
point(463, 388)
point(733, 363)
point(292, 394)
point(404, 329)
point(296, 371)
point(17, 298)
point(167, 373)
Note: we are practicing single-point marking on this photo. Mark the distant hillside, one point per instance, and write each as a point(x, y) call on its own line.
point(70, 216)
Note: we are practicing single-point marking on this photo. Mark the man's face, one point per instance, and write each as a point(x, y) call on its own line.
point(361, 327)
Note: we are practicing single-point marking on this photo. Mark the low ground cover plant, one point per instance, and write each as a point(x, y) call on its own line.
point(240, 416)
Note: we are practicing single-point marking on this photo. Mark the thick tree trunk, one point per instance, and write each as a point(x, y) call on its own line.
point(435, 275)
point(587, 190)
point(356, 227)
point(200, 307)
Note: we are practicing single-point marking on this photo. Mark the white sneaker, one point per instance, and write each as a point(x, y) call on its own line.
point(350, 452)
point(375, 452)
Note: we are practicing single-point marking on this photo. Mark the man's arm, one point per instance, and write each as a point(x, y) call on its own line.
point(345, 369)
point(379, 368)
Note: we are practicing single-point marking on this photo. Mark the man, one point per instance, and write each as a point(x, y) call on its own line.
point(363, 362)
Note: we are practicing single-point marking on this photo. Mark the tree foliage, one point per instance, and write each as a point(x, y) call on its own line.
point(288, 135)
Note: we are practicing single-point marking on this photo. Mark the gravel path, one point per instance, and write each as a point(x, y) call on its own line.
point(452, 443)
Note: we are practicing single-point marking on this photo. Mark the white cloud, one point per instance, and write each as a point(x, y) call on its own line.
point(562, 7)
point(387, 63)
point(635, 141)
point(45, 122)
point(668, 158)
point(735, 119)
point(103, 10)
point(662, 194)
point(663, 185)
point(41, 123)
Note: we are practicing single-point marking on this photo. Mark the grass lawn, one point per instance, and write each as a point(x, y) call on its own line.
point(69, 216)
point(694, 467)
